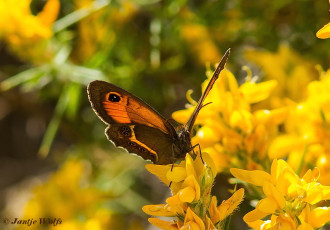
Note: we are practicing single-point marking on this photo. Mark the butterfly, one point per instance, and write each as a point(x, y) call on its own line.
point(140, 129)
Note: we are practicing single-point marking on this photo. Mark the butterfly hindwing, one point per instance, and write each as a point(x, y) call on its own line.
point(145, 141)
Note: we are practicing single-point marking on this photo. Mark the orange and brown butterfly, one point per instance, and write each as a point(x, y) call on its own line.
point(140, 129)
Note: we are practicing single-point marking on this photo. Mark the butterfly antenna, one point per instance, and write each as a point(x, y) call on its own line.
point(189, 125)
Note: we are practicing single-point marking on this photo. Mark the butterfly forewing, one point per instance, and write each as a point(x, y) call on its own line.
point(116, 106)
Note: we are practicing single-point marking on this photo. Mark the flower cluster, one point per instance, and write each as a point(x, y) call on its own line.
point(289, 200)
point(239, 130)
point(231, 131)
point(289, 69)
point(308, 128)
point(192, 203)
point(65, 195)
point(70, 196)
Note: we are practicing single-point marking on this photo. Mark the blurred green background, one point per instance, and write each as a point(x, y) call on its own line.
point(55, 160)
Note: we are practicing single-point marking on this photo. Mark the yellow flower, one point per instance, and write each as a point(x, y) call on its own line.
point(288, 198)
point(27, 32)
point(191, 203)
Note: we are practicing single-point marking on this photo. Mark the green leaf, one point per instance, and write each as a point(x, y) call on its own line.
point(77, 15)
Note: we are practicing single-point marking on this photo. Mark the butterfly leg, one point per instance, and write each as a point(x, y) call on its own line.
point(200, 152)
point(171, 166)
point(171, 171)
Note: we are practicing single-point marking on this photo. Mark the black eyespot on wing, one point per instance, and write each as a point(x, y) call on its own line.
point(126, 134)
point(131, 143)
point(125, 128)
point(114, 97)
point(126, 131)
point(143, 149)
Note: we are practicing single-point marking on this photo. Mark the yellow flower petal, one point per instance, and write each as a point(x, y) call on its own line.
point(258, 224)
point(256, 177)
point(177, 174)
point(213, 210)
point(190, 167)
point(160, 171)
point(267, 205)
point(242, 120)
point(325, 192)
point(193, 220)
point(209, 224)
point(190, 225)
point(174, 200)
point(319, 216)
point(271, 192)
point(256, 92)
point(285, 222)
point(283, 144)
point(324, 32)
point(198, 165)
point(227, 207)
point(254, 215)
point(220, 159)
point(162, 224)
point(314, 193)
point(191, 182)
point(278, 169)
point(311, 175)
point(182, 116)
point(207, 136)
point(188, 194)
point(288, 183)
point(175, 204)
point(210, 163)
point(305, 226)
point(275, 116)
point(158, 210)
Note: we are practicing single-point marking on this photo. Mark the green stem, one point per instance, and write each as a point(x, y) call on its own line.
point(302, 160)
point(55, 122)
